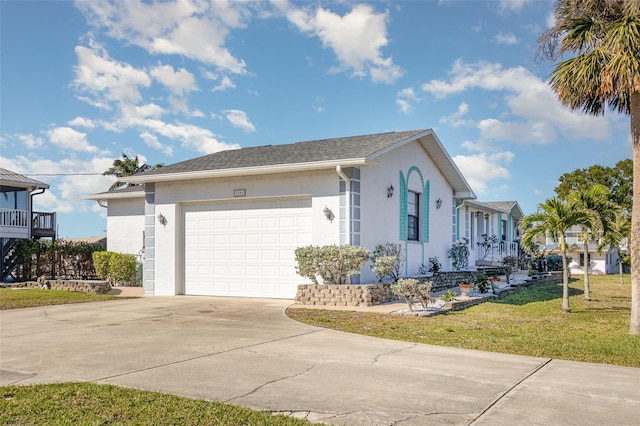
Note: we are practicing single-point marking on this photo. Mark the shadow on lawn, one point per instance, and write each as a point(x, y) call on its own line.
point(538, 294)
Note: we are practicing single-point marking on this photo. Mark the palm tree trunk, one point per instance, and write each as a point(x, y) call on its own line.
point(620, 268)
point(565, 278)
point(587, 292)
point(634, 327)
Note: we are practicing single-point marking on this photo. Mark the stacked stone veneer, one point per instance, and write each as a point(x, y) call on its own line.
point(98, 287)
point(445, 280)
point(344, 295)
point(372, 294)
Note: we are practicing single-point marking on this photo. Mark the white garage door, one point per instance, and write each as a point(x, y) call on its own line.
point(245, 249)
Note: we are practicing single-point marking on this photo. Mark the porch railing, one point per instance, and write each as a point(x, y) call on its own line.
point(493, 255)
point(44, 224)
point(41, 224)
point(14, 218)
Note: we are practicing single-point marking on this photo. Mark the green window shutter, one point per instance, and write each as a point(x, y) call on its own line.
point(403, 208)
point(425, 213)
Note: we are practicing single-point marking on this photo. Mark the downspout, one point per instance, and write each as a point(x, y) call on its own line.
point(347, 194)
point(104, 206)
point(33, 193)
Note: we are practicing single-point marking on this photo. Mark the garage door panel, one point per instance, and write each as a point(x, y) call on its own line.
point(245, 249)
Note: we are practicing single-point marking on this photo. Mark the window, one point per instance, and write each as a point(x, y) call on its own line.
point(413, 219)
point(582, 259)
point(504, 230)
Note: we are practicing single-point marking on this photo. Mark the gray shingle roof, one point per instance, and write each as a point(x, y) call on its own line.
point(293, 153)
point(9, 178)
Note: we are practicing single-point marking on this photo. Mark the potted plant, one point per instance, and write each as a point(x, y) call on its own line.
point(465, 289)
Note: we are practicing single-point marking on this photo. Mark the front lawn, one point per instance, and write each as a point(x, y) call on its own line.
point(528, 323)
point(94, 404)
point(27, 298)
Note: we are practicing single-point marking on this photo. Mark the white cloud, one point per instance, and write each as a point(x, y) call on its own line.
point(30, 141)
point(66, 191)
point(239, 119)
point(481, 169)
point(357, 39)
point(534, 114)
point(190, 136)
point(225, 83)
point(106, 80)
point(505, 38)
point(405, 99)
point(455, 119)
point(179, 82)
point(152, 141)
point(191, 28)
point(66, 137)
point(82, 122)
point(507, 6)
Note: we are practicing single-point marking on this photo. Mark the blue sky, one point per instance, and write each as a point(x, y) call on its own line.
point(81, 82)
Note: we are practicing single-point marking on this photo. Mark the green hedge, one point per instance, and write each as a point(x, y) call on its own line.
point(118, 268)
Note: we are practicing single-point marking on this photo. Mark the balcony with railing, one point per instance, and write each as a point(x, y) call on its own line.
point(24, 224)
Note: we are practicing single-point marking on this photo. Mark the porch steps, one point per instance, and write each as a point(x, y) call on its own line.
point(9, 252)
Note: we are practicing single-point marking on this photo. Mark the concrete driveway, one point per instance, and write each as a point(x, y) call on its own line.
point(246, 352)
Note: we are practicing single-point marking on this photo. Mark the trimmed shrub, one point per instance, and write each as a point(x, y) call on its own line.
point(117, 268)
point(410, 289)
point(334, 264)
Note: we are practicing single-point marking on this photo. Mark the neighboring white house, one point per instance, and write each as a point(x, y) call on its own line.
point(228, 223)
point(603, 262)
point(492, 230)
point(17, 218)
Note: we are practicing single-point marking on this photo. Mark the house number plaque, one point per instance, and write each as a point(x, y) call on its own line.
point(239, 192)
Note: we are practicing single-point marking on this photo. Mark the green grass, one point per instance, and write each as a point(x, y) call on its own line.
point(94, 404)
point(23, 298)
point(528, 323)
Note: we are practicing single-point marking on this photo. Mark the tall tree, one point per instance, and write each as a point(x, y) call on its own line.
point(125, 166)
point(618, 179)
point(604, 36)
point(601, 219)
point(553, 219)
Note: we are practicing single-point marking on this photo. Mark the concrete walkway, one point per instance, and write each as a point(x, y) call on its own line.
point(247, 352)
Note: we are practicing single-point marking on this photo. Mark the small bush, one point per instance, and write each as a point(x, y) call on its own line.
point(101, 261)
point(117, 268)
point(482, 282)
point(334, 264)
point(459, 254)
point(383, 266)
point(449, 295)
point(394, 251)
point(434, 265)
point(410, 289)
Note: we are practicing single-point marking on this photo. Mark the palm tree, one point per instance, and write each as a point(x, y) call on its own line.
point(126, 167)
point(602, 216)
point(554, 218)
point(604, 36)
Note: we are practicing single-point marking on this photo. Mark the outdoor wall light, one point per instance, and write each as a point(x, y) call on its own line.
point(328, 213)
point(390, 191)
point(162, 219)
point(438, 203)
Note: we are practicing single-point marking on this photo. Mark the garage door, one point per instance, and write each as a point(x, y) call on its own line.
point(245, 249)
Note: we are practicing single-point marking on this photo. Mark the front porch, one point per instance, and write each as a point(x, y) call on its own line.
point(493, 254)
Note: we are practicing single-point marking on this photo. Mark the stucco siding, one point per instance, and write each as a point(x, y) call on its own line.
point(381, 214)
point(125, 225)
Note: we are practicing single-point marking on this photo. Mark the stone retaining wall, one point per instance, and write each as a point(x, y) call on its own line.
point(98, 287)
point(344, 295)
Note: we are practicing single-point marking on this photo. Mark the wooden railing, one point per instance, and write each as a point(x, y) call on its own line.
point(44, 224)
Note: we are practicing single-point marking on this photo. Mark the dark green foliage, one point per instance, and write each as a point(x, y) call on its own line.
point(38, 258)
point(619, 180)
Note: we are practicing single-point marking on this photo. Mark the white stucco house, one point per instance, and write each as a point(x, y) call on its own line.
point(228, 223)
point(492, 229)
point(598, 262)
